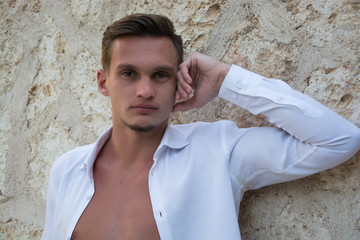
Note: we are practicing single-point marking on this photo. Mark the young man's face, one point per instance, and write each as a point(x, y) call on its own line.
point(141, 81)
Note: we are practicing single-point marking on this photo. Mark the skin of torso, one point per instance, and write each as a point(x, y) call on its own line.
point(121, 206)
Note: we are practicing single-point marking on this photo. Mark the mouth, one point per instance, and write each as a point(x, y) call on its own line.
point(144, 108)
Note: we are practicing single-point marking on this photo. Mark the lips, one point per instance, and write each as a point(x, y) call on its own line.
point(144, 107)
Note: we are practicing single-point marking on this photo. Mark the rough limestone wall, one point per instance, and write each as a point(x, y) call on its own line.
point(49, 54)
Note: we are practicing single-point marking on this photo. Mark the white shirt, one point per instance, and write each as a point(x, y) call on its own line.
point(202, 170)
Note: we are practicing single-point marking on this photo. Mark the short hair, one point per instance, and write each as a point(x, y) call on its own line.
point(139, 25)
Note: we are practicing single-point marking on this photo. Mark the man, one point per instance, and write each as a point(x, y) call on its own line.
point(145, 179)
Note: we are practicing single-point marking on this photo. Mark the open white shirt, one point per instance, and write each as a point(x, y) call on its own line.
point(202, 170)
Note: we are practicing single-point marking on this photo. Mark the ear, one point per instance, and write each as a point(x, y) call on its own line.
point(101, 82)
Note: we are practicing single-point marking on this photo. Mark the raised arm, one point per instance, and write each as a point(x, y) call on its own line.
point(309, 137)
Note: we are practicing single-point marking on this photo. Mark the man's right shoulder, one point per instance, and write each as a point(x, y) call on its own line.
point(73, 158)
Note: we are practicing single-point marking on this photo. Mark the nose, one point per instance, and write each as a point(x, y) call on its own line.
point(145, 88)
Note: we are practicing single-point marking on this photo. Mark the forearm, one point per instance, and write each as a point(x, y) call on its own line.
point(297, 114)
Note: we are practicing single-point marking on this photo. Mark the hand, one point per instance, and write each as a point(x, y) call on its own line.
point(202, 76)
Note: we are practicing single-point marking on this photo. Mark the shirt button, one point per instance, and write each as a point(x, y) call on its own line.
point(239, 85)
point(160, 214)
point(234, 96)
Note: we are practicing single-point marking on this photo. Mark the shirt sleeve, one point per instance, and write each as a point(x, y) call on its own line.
point(308, 137)
point(50, 199)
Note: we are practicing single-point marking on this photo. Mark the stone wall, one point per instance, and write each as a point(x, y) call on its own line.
point(49, 54)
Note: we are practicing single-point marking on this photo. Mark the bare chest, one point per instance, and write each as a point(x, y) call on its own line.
point(120, 209)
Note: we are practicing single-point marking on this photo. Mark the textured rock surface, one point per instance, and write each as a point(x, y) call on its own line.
point(49, 54)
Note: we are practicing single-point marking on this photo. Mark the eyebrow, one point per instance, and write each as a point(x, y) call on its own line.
point(122, 66)
point(165, 68)
point(158, 68)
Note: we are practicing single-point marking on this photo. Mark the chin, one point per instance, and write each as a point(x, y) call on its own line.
point(145, 126)
point(138, 128)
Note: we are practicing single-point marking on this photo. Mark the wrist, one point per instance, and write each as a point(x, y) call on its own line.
point(224, 70)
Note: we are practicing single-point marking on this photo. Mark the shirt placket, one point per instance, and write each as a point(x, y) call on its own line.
point(157, 202)
point(88, 193)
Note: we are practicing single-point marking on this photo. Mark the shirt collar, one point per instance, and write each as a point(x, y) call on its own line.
point(98, 145)
point(172, 138)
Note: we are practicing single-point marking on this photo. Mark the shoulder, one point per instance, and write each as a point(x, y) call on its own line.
point(71, 160)
point(200, 126)
point(206, 129)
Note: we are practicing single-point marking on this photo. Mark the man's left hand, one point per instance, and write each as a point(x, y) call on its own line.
point(201, 76)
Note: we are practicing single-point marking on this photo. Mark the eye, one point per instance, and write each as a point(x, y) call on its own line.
point(127, 74)
point(161, 76)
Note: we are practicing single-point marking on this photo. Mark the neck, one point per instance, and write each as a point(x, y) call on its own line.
point(130, 147)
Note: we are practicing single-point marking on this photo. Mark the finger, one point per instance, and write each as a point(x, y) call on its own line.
point(185, 69)
point(180, 91)
point(183, 88)
point(178, 96)
point(188, 104)
point(188, 70)
point(181, 94)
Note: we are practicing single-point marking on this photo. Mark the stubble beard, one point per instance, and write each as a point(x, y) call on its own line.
point(137, 128)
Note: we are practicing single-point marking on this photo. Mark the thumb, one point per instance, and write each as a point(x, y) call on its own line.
point(186, 105)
